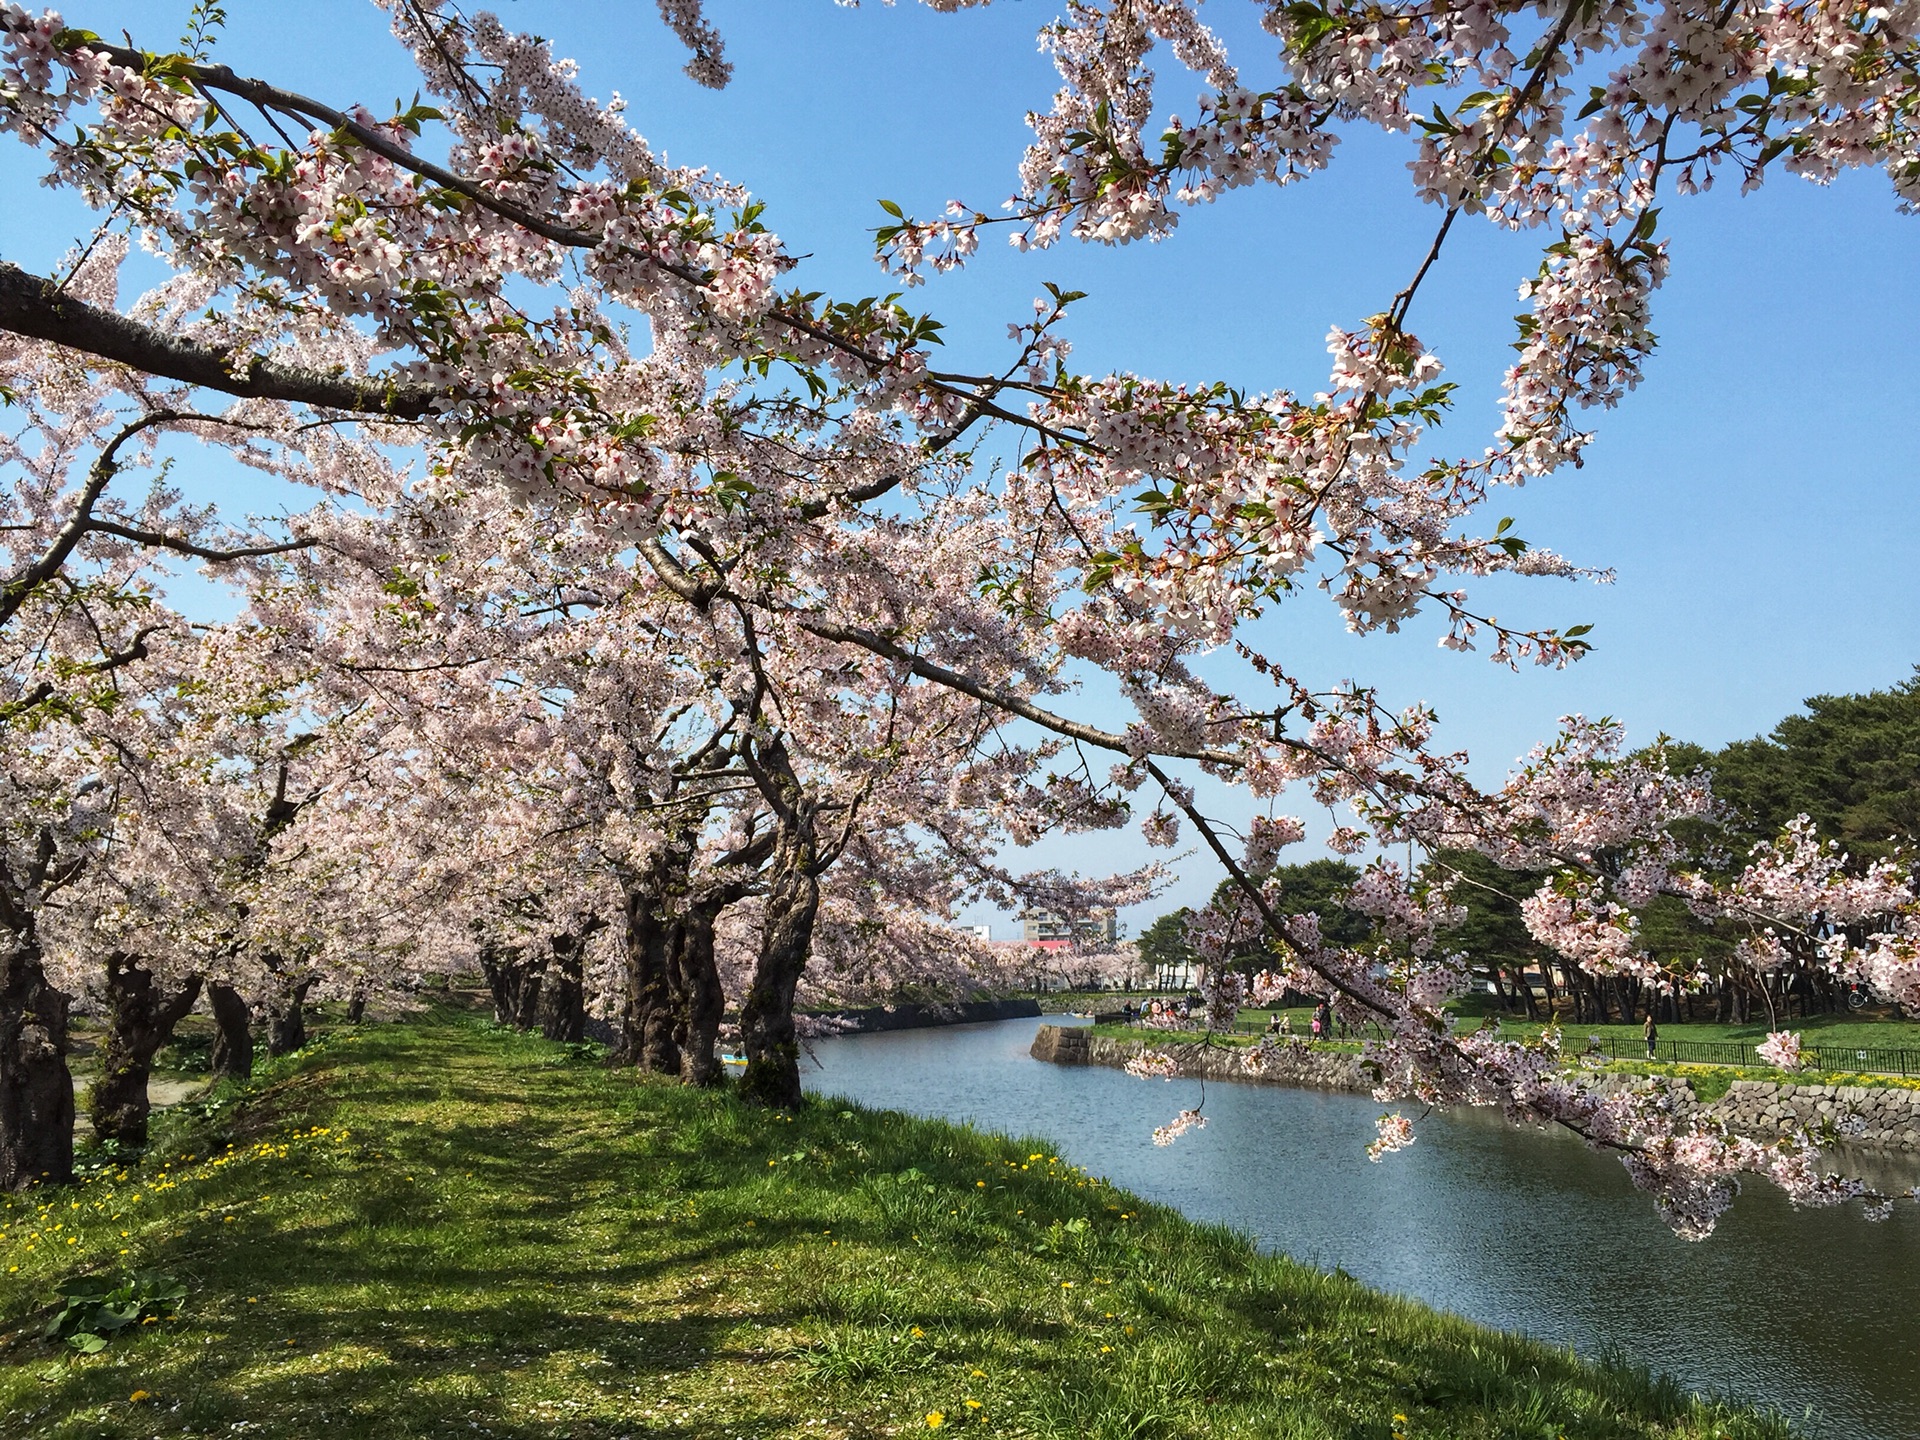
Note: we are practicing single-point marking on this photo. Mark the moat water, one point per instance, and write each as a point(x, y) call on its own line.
point(1813, 1313)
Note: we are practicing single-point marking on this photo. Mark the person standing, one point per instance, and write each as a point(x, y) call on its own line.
point(1652, 1028)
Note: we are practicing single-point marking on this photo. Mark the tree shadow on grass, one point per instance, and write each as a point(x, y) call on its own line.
point(512, 1244)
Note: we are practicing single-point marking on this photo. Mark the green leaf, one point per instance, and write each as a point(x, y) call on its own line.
point(1311, 25)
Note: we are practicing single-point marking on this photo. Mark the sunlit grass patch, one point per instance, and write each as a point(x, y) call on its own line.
point(445, 1229)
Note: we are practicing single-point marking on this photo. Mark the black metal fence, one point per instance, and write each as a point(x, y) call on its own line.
point(1841, 1059)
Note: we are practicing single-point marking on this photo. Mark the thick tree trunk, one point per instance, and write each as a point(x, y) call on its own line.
point(142, 1020)
point(700, 998)
point(357, 1005)
point(793, 901)
point(287, 1018)
point(766, 1019)
point(530, 973)
point(647, 1021)
point(233, 1032)
point(494, 967)
point(648, 1018)
point(514, 978)
point(36, 1087)
point(563, 1011)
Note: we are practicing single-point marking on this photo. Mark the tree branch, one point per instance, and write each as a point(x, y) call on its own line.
point(182, 546)
point(105, 466)
point(35, 307)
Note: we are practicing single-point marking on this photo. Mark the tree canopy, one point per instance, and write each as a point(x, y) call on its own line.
point(646, 622)
point(1850, 762)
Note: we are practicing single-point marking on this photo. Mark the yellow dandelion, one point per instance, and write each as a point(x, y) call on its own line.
point(137, 1396)
point(935, 1419)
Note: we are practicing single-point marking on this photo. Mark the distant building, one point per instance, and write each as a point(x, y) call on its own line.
point(1178, 975)
point(978, 932)
point(1056, 932)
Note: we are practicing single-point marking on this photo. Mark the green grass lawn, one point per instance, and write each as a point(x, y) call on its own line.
point(1852, 1031)
point(447, 1230)
point(1849, 1031)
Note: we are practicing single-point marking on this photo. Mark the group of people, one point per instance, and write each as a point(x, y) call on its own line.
point(1159, 1011)
point(1321, 1025)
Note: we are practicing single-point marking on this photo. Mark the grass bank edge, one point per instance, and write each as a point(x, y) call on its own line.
point(1709, 1082)
point(961, 1274)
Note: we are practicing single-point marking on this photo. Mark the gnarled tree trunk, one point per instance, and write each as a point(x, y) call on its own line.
point(514, 977)
point(647, 1020)
point(786, 937)
point(287, 1017)
point(36, 1087)
point(563, 1011)
point(143, 1017)
point(233, 1031)
point(532, 977)
point(700, 999)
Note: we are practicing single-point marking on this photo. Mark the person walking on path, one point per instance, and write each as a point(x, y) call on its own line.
point(1652, 1028)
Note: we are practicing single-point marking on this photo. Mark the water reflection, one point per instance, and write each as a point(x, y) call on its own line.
point(1811, 1312)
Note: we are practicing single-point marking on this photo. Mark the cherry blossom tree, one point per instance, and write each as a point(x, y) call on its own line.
point(108, 823)
point(794, 471)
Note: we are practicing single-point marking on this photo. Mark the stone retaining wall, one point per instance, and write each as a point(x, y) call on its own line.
point(1885, 1117)
point(1297, 1066)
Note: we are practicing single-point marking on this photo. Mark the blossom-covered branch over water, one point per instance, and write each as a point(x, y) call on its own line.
point(717, 628)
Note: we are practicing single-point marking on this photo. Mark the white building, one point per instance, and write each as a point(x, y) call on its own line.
point(1100, 928)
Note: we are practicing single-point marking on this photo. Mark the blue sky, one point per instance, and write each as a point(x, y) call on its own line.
point(1755, 495)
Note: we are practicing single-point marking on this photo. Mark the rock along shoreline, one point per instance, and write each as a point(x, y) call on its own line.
point(1885, 1118)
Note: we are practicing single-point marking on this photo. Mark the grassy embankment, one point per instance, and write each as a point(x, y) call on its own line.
point(445, 1229)
point(1709, 1082)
